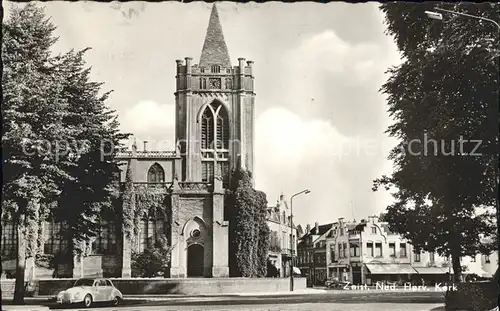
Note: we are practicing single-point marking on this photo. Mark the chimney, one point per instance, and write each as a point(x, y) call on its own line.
point(317, 227)
point(341, 220)
point(308, 228)
point(145, 145)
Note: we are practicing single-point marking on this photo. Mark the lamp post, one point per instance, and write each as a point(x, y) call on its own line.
point(439, 16)
point(291, 235)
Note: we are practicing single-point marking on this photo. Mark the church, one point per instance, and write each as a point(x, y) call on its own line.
point(214, 134)
point(214, 116)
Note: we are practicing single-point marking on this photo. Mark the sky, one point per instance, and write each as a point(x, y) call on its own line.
point(320, 118)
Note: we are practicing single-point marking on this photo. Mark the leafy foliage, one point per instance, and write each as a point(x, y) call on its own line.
point(50, 261)
point(249, 232)
point(138, 201)
point(272, 271)
point(95, 172)
point(128, 203)
point(154, 260)
point(263, 234)
point(55, 126)
point(473, 296)
point(446, 88)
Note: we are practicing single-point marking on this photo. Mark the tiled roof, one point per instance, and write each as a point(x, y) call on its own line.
point(322, 229)
point(214, 50)
point(358, 227)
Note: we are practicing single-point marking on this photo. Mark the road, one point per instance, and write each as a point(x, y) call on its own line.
point(327, 301)
point(288, 307)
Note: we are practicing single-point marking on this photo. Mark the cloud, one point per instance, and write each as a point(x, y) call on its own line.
point(326, 130)
point(318, 70)
point(151, 121)
point(329, 78)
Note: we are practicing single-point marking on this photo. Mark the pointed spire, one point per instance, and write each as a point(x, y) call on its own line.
point(214, 50)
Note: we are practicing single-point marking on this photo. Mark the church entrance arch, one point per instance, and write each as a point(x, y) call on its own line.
point(195, 260)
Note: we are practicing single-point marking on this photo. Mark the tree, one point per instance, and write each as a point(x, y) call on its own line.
point(445, 89)
point(97, 138)
point(55, 124)
point(242, 226)
point(33, 120)
point(382, 217)
point(249, 233)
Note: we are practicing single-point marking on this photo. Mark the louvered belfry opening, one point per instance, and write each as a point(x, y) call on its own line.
point(214, 141)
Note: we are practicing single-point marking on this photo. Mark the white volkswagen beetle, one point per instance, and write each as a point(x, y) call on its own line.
point(87, 291)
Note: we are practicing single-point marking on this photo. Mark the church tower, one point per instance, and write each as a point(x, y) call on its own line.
point(214, 110)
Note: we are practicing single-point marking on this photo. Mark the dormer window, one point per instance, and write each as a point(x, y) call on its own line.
point(215, 69)
point(202, 70)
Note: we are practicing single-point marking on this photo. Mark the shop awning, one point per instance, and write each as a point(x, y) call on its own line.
point(430, 270)
point(390, 269)
point(296, 270)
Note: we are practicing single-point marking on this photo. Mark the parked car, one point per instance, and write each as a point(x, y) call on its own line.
point(335, 283)
point(87, 291)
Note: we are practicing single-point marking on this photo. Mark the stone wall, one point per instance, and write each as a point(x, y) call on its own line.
point(198, 286)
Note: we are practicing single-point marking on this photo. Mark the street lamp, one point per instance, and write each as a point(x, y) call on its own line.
point(434, 15)
point(291, 234)
point(439, 16)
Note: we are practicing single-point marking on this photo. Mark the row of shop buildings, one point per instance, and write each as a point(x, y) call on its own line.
point(366, 252)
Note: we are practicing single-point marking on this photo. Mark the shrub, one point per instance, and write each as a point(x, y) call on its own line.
point(272, 271)
point(473, 297)
point(154, 261)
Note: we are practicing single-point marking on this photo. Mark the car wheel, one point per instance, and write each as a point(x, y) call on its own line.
point(87, 301)
point(116, 301)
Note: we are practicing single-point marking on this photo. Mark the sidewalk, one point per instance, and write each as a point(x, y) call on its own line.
point(32, 303)
point(24, 308)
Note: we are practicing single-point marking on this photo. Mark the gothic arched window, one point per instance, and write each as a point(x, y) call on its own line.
point(207, 130)
point(152, 229)
point(222, 130)
point(214, 140)
point(55, 241)
point(156, 174)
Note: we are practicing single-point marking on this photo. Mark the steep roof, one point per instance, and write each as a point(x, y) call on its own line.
point(214, 50)
point(358, 227)
point(322, 229)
